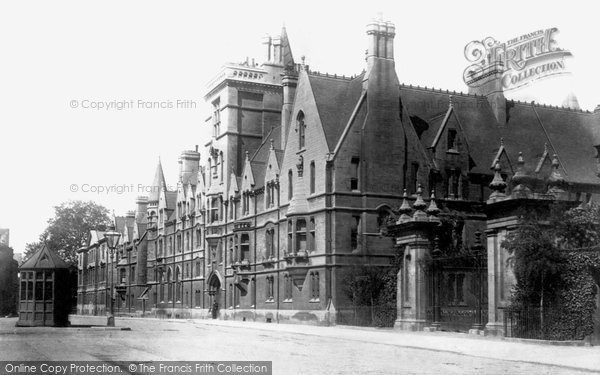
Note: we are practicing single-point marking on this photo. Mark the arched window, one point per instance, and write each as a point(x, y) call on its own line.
point(169, 285)
point(162, 288)
point(312, 177)
point(178, 284)
point(270, 244)
point(301, 130)
point(290, 184)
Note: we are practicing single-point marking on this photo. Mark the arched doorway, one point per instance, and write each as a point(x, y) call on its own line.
point(214, 292)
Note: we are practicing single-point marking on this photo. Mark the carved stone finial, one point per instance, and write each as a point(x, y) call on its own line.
point(419, 203)
point(404, 209)
point(556, 181)
point(300, 165)
point(498, 185)
point(271, 141)
point(433, 209)
point(419, 206)
point(521, 180)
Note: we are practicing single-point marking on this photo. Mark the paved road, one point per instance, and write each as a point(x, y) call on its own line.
point(291, 352)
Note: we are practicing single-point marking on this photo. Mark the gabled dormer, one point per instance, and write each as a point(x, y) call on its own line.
point(271, 181)
point(247, 187)
point(544, 168)
point(200, 192)
point(451, 153)
point(190, 199)
point(181, 200)
point(450, 138)
point(503, 159)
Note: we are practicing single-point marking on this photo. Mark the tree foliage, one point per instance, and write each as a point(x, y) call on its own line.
point(69, 228)
point(555, 256)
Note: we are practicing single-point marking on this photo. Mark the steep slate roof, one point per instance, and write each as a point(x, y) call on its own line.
point(171, 199)
point(473, 113)
point(44, 258)
point(258, 171)
point(157, 183)
point(335, 99)
point(262, 153)
point(569, 133)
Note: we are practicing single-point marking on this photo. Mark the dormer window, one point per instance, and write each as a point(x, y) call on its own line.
point(301, 126)
point(452, 140)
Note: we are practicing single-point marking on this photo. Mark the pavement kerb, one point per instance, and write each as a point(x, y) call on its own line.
point(264, 326)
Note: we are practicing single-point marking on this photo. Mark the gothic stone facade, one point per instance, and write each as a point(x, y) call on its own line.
point(302, 175)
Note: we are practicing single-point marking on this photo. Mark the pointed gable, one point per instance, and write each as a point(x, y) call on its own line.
point(502, 158)
point(335, 98)
point(157, 184)
point(234, 188)
point(44, 259)
point(272, 170)
point(248, 176)
point(286, 50)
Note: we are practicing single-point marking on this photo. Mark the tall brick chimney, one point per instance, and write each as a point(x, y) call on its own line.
point(189, 164)
point(141, 210)
point(380, 41)
point(488, 82)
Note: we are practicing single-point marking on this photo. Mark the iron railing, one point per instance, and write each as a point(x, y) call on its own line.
point(367, 316)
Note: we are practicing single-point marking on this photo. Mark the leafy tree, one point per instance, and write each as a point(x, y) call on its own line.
point(555, 254)
point(538, 262)
point(69, 228)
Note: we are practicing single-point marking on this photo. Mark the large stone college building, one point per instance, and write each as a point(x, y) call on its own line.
point(309, 175)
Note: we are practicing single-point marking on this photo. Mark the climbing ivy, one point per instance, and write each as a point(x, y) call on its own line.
point(556, 256)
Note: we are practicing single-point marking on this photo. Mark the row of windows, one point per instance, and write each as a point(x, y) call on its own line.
point(37, 286)
point(173, 292)
point(183, 241)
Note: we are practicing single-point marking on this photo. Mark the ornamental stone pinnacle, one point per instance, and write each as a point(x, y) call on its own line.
point(404, 209)
point(498, 184)
point(419, 206)
point(433, 208)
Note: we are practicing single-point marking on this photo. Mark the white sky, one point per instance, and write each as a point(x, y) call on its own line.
point(54, 52)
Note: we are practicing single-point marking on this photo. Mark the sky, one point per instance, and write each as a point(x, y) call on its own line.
point(61, 58)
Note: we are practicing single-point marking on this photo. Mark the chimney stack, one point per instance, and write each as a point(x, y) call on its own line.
point(488, 82)
point(142, 208)
point(189, 164)
point(380, 41)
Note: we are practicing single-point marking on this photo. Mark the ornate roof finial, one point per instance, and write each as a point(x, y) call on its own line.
point(419, 206)
point(271, 144)
point(419, 203)
point(498, 185)
point(433, 209)
point(521, 160)
point(556, 181)
point(501, 141)
point(404, 210)
point(521, 180)
point(247, 155)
